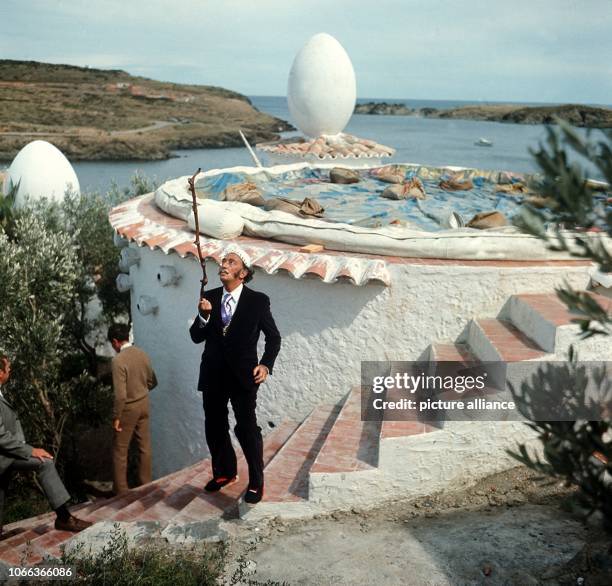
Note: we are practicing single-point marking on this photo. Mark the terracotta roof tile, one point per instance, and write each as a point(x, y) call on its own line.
point(140, 221)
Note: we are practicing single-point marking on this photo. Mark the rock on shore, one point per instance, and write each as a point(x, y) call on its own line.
point(384, 109)
point(575, 114)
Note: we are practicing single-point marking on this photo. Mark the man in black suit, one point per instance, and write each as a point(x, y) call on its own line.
point(230, 320)
point(17, 456)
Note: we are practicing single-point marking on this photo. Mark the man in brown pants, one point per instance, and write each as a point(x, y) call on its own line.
point(133, 378)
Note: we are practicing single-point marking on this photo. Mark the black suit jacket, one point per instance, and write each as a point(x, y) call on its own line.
point(237, 349)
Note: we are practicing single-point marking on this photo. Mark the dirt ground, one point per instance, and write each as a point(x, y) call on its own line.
point(510, 528)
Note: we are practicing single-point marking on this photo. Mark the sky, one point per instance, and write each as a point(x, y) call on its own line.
point(508, 51)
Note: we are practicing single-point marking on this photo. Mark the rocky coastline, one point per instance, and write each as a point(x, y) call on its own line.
point(576, 114)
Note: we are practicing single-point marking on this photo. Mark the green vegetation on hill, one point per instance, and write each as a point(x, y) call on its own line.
point(94, 114)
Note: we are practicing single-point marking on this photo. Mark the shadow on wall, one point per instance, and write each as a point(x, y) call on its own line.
point(317, 305)
point(177, 416)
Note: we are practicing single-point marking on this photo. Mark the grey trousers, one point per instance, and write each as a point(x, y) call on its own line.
point(47, 475)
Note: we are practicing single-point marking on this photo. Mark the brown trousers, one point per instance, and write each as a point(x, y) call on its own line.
point(134, 424)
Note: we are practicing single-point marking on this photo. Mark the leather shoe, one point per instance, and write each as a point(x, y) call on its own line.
point(73, 524)
point(216, 484)
point(253, 495)
point(11, 533)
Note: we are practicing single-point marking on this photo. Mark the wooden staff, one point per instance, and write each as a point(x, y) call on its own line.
point(194, 202)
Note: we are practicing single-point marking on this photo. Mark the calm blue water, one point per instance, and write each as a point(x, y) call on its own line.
point(417, 140)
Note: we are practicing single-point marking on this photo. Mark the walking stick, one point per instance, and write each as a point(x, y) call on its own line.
point(194, 202)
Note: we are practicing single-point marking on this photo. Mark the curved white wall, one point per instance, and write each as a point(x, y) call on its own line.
point(327, 330)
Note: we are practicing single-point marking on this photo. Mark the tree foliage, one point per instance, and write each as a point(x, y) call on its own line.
point(38, 277)
point(58, 266)
point(579, 222)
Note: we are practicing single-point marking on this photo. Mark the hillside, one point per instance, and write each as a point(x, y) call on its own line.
point(93, 114)
point(575, 114)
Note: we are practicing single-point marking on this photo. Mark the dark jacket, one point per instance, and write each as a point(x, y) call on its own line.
point(12, 442)
point(237, 349)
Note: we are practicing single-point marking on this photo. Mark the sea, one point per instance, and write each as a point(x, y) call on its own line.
point(427, 141)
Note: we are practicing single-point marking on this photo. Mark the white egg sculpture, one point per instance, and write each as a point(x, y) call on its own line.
point(42, 171)
point(322, 90)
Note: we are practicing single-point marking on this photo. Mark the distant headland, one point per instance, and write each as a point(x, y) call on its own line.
point(93, 114)
point(575, 114)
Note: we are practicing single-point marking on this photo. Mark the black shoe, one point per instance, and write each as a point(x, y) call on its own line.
point(73, 524)
point(216, 484)
point(253, 495)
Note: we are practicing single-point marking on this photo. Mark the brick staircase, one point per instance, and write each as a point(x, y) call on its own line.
point(334, 460)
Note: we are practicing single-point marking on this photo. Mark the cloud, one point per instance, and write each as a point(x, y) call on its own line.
point(398, 47)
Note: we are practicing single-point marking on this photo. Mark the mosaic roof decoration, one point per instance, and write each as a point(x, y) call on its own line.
point(340, 146)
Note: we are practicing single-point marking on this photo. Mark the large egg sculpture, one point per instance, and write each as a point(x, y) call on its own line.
point(41, 171)
point(322, 90)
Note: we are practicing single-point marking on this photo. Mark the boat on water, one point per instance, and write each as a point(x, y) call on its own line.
point(483, 142)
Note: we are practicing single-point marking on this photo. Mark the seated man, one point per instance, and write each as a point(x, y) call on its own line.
point(16, 455)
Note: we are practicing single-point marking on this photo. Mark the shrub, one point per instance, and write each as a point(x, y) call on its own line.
point(578, 451)
point(120, 565)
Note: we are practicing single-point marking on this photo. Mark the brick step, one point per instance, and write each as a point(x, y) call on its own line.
point(451, 352)
point(352, 444)
point(135, 509)
point(394, 429)
point(205, 505)
point(174, 502)
point(123, 503)
point(46, 520)
point(540, 317)
point(20, 538)
point(22, 555)
point(30, 545)
point(32, 528)
point(439, 352)
point(116, 502)
point(287, 473)
point(47, 541)
point(497, 340)
point(38, 522)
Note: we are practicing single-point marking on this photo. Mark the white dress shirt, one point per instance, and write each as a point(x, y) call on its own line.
point(233, 301)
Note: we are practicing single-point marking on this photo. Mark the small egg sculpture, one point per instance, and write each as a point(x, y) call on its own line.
point(40, 170)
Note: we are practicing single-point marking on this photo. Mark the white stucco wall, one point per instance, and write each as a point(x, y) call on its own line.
point(327, 329)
